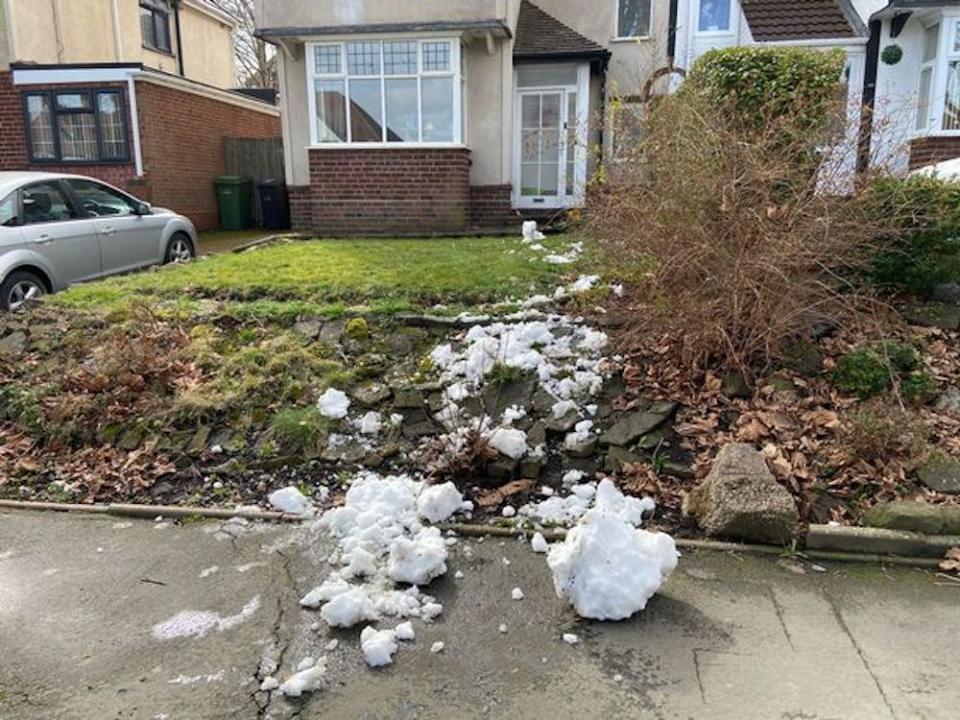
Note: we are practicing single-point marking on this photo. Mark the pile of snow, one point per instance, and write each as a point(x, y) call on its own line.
point(509, 441)
point(291, 500)
point(565, 356)
point(334, 404)
point(606, 567)
point(383, 541)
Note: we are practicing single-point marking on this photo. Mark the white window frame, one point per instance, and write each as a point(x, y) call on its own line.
point(578, 199)
point(455, 73)
point(949, 36)
point(617, 37)
point(731, 29)
point(932, 123)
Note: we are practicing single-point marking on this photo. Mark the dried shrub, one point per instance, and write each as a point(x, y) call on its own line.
point(740, 231)
point(458, 456)
point(877, 432)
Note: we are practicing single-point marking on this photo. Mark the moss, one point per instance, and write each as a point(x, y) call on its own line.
point(502, 374)
point(300, 430)
point(357, 329)
point(863, 372)
point(919, 387)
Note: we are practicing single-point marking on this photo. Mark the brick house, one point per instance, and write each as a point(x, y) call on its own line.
point(145, 107)
point(437, 117)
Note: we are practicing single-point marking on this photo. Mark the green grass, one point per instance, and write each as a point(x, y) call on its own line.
point(328, 275)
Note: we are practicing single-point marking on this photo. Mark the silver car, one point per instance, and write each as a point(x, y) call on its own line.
point(56, 230)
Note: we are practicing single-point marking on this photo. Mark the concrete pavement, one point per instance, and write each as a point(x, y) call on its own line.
point(108, 619)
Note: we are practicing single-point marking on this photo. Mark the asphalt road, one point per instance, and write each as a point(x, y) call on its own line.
point(730, 636)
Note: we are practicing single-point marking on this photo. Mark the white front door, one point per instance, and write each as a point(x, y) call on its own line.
point(550, 158)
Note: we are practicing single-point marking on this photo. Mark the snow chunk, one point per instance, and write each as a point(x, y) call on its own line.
point(378, 646)
point(607, 568)
point(570, 638)
point(508, 511)
point(291, 500)
point(418, 560)
point(334, 404)
point(530, 232)
point(516, 594)
point(539, 543)
point(404, 631)
point(437, 647)
point(269, 683)
point(509, 441)
point(349, 608)
point(306, 679)
point(370, 423)
point(437, 503)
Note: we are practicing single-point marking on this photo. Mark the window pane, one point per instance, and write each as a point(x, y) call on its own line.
point(951, 108)
point(956, 37)
point(402, 116)
point(549, 178)
point(437, 96)
point(714, 15)
point(8, 210)
point(113, 129)
point(549, 75)
point(100, 201)
point(923, 98)
point(365, 111)
point(363, 58)
point(78, 136)
point(400, 58)
point(331, 111)
point(146, 27)
point(633, 18)
point(327, 60)
point(550, 114)
point(436, 57)
point(931, 39)
point(40, 123)
point(73, 101)
point(530, 111)
point(45, 202)
point(530, 179)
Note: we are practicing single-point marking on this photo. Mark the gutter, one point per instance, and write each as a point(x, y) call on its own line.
point(176, 24)
point(869, 97)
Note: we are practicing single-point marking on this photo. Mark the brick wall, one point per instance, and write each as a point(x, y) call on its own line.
point(491, 207)
point(13, 140)
point(373, 191)
point(13, 144)
point(930, 150)
point(183, 150)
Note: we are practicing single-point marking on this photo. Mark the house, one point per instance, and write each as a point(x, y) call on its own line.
point(443, 117)
point(915, 89)
point(136, 93)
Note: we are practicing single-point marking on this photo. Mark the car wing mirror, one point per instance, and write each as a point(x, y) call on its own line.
point(143, 208)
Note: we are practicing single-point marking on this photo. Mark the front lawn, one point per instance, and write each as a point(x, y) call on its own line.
point(158, 381)
point(324, 276)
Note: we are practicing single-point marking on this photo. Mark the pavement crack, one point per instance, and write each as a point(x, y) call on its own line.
point(863, 658)
point(778, 608)
point(696, 667)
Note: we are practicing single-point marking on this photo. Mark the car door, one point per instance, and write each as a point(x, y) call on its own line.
point(53, 227)
point(128, 240)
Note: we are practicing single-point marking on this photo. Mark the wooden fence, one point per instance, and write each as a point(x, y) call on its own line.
point(257, 158)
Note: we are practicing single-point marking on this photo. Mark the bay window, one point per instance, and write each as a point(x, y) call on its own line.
point(402, 91)
point(76, 126)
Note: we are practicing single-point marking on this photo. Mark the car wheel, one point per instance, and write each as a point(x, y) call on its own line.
point(179, 250)
point(19, 288)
